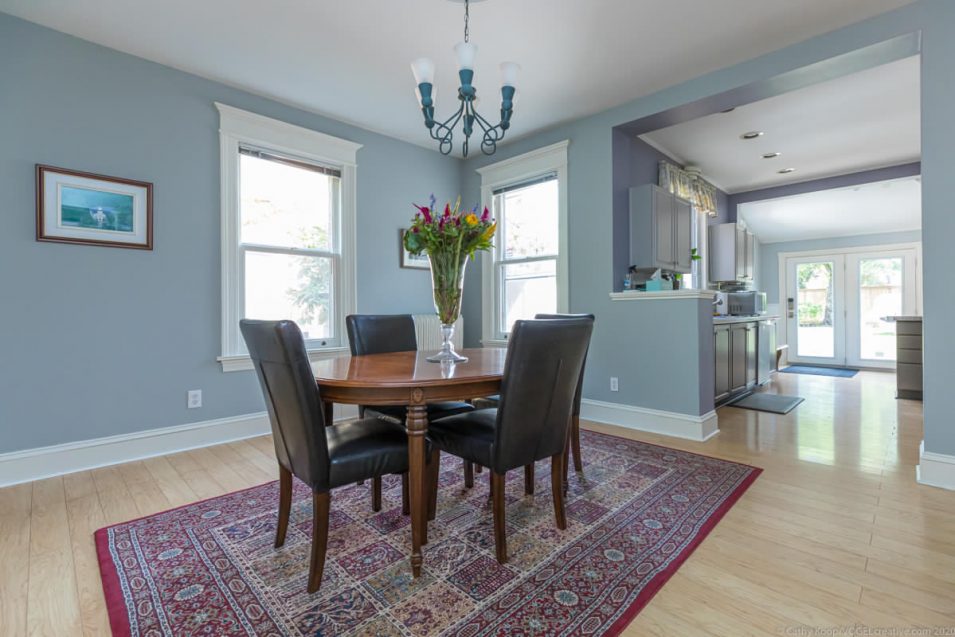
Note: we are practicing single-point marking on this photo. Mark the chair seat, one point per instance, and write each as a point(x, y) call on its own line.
point(435, 410)
point(365, 449)
point(487, 402)
point(469, 436)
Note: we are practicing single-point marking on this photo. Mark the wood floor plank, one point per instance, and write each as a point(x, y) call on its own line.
point(52, 607)
point(86, 516)
point(15, 523)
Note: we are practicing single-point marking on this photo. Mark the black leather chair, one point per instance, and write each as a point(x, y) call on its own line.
point(574, 446)
point(323, 457)
point(541, 373)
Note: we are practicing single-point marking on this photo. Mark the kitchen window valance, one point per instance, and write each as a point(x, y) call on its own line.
point(689, 185)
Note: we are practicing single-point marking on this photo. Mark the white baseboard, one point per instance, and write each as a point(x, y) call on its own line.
point(935, 469)
point(668, 423)
point(46, 462)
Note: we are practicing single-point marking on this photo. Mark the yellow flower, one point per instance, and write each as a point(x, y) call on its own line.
point(471, 219)
point(490, 231)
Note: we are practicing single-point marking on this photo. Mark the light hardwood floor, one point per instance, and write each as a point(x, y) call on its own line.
point(835, 532)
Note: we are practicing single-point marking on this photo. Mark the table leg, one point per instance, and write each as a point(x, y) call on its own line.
point(329, 413)
point(417, 427)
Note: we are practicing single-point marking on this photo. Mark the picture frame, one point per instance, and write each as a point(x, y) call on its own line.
point(90, 209)
point(408, 260)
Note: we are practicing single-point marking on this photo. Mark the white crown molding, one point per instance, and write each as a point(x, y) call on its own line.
point(668, 423)
point(935, 469)
point(47, 462)
point(671, 295)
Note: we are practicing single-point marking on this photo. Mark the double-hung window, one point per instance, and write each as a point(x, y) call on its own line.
point(288, 231)
point(525, 273)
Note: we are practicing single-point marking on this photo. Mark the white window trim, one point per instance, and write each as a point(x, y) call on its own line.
point(242, 127)
point(510, 171)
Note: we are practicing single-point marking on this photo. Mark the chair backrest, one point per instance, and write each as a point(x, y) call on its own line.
point(380, 333)
point(537, 391)
point(281, 363)
point(580, 381)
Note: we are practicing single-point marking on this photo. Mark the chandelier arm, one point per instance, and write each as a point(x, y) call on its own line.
point(445, 134)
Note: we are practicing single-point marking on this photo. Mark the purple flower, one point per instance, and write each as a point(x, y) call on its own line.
point(433, 201)
point(485, 214)
point(425, 212)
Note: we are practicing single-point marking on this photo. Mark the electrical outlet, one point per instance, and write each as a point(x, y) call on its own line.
point(194, 398)
point(613, 384)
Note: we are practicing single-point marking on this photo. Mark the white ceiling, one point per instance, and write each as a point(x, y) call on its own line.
point(865, 120)
point(885, 206)
point(350, 60)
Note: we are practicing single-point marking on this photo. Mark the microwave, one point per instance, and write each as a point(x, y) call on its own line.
point(745, 303)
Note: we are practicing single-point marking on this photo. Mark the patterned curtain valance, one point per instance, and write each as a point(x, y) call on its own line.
point(690, 186)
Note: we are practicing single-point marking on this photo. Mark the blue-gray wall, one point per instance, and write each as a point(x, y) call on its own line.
point(626, 335)
point(62, 309)
point(102, 341)
point(767, 269)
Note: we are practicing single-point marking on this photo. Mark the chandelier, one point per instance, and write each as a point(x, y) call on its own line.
point(443, 132)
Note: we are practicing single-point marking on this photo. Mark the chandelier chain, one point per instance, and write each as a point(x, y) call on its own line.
point(467, 19)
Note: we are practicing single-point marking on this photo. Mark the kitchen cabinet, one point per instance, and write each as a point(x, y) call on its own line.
point(732, 253)
point(661, 229)
point(742, 351)
point(722, 347)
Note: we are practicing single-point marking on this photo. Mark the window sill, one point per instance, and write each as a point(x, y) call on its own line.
point(244, 363)
point(494, 342)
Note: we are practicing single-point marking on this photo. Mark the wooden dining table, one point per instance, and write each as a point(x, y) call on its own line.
point(407, 378)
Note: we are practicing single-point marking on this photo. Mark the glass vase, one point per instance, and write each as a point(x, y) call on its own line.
point(447, 282)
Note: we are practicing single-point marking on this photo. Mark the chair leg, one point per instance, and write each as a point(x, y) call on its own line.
point(497, 497)
point(320, 507)
point(285, 504)
point(434, 472)
point(478, 468)
point(557, 486)
point(468, 474)
point(565, 462)
point(405, 507)
point(575, 442)
point(376, 494)
point(529, 479)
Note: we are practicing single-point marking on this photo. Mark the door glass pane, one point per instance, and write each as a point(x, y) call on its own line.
point(814, 310)
point(529, 289)
point(286, 206)
point(284, 286)
point(880, 295)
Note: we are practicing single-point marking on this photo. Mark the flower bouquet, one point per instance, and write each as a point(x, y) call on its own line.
point(449, 238)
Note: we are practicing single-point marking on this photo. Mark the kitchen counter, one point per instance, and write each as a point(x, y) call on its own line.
point(893, 319)
point(726, 320)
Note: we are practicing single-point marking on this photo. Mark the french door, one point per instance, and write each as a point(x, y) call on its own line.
point(836, 305)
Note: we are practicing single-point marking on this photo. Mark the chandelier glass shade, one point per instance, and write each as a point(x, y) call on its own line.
point(466, 114)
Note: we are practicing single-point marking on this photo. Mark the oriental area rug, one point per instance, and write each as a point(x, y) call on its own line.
point(633, 516)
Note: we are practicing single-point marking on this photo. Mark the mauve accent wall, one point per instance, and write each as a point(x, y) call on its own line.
point(103, 341)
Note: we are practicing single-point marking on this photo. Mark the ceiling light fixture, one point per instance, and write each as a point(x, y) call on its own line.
point(443, 132)
point(771, 155)
point(786, 171)
point(753, 134)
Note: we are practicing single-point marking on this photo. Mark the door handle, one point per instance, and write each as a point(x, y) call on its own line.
point(790, 307)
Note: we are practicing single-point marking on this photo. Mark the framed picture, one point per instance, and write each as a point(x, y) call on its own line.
point(78, 207)
point(408, 260)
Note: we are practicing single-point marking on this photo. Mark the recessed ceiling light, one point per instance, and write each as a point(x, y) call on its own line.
point(771, 155)
point(786, 171)
point(753, 134)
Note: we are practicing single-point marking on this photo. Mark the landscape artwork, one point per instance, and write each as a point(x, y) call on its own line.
point(91, 209)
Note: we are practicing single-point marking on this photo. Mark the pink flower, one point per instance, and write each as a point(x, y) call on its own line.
point(447, 210)
point(485, 214)
point(425, 212)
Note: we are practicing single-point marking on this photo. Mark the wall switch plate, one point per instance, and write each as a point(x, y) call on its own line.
point(613, 384)
point(194, 398)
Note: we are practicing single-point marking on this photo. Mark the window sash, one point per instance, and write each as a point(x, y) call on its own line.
point(335, 338)
point(501, 328)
